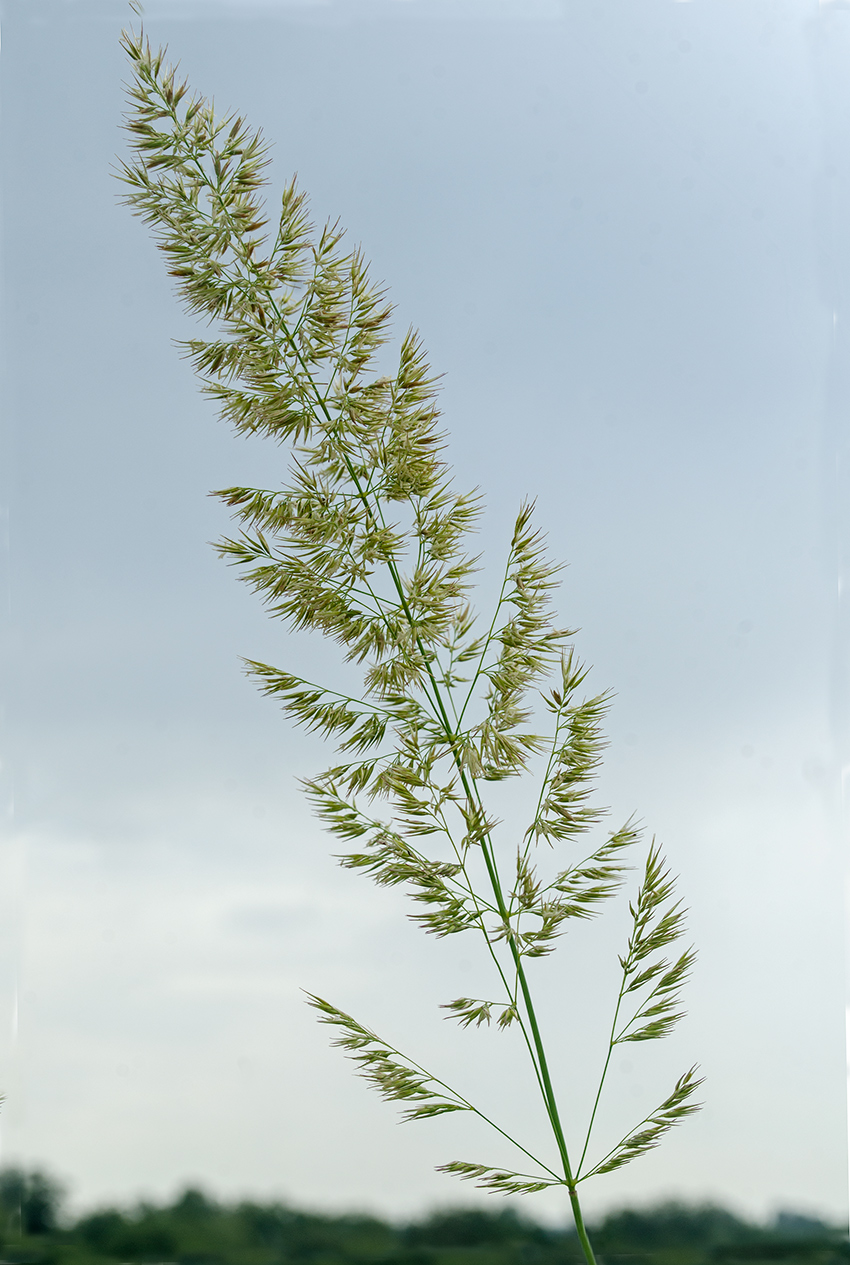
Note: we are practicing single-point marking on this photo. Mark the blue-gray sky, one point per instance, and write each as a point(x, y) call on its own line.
point(620, 227)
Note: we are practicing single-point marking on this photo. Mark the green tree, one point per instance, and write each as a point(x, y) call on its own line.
point(368, 544)
point(30, 1201)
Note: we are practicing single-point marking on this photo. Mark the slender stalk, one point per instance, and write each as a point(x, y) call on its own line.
point(598, 1097)
point(580, 1227)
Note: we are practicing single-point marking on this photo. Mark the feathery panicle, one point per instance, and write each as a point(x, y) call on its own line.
point(367, 542)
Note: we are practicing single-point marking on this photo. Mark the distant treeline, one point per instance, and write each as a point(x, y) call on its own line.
point(197, 1230)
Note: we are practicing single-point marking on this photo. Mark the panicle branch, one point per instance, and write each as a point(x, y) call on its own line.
point(397, 1078)
point(675, 1108)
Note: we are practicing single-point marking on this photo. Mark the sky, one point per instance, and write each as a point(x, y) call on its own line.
point(620, 227)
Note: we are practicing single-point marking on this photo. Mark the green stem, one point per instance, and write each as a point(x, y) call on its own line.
point(580, 1228)
point(511, 993)
point(542, 1063)
point(490, 862)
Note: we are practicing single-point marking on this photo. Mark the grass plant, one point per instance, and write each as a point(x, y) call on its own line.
point(367, 543)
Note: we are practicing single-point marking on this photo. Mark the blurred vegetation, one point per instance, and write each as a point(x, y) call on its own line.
point(196, 1230)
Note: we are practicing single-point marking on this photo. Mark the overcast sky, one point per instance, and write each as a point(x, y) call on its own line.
point(621, 227)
